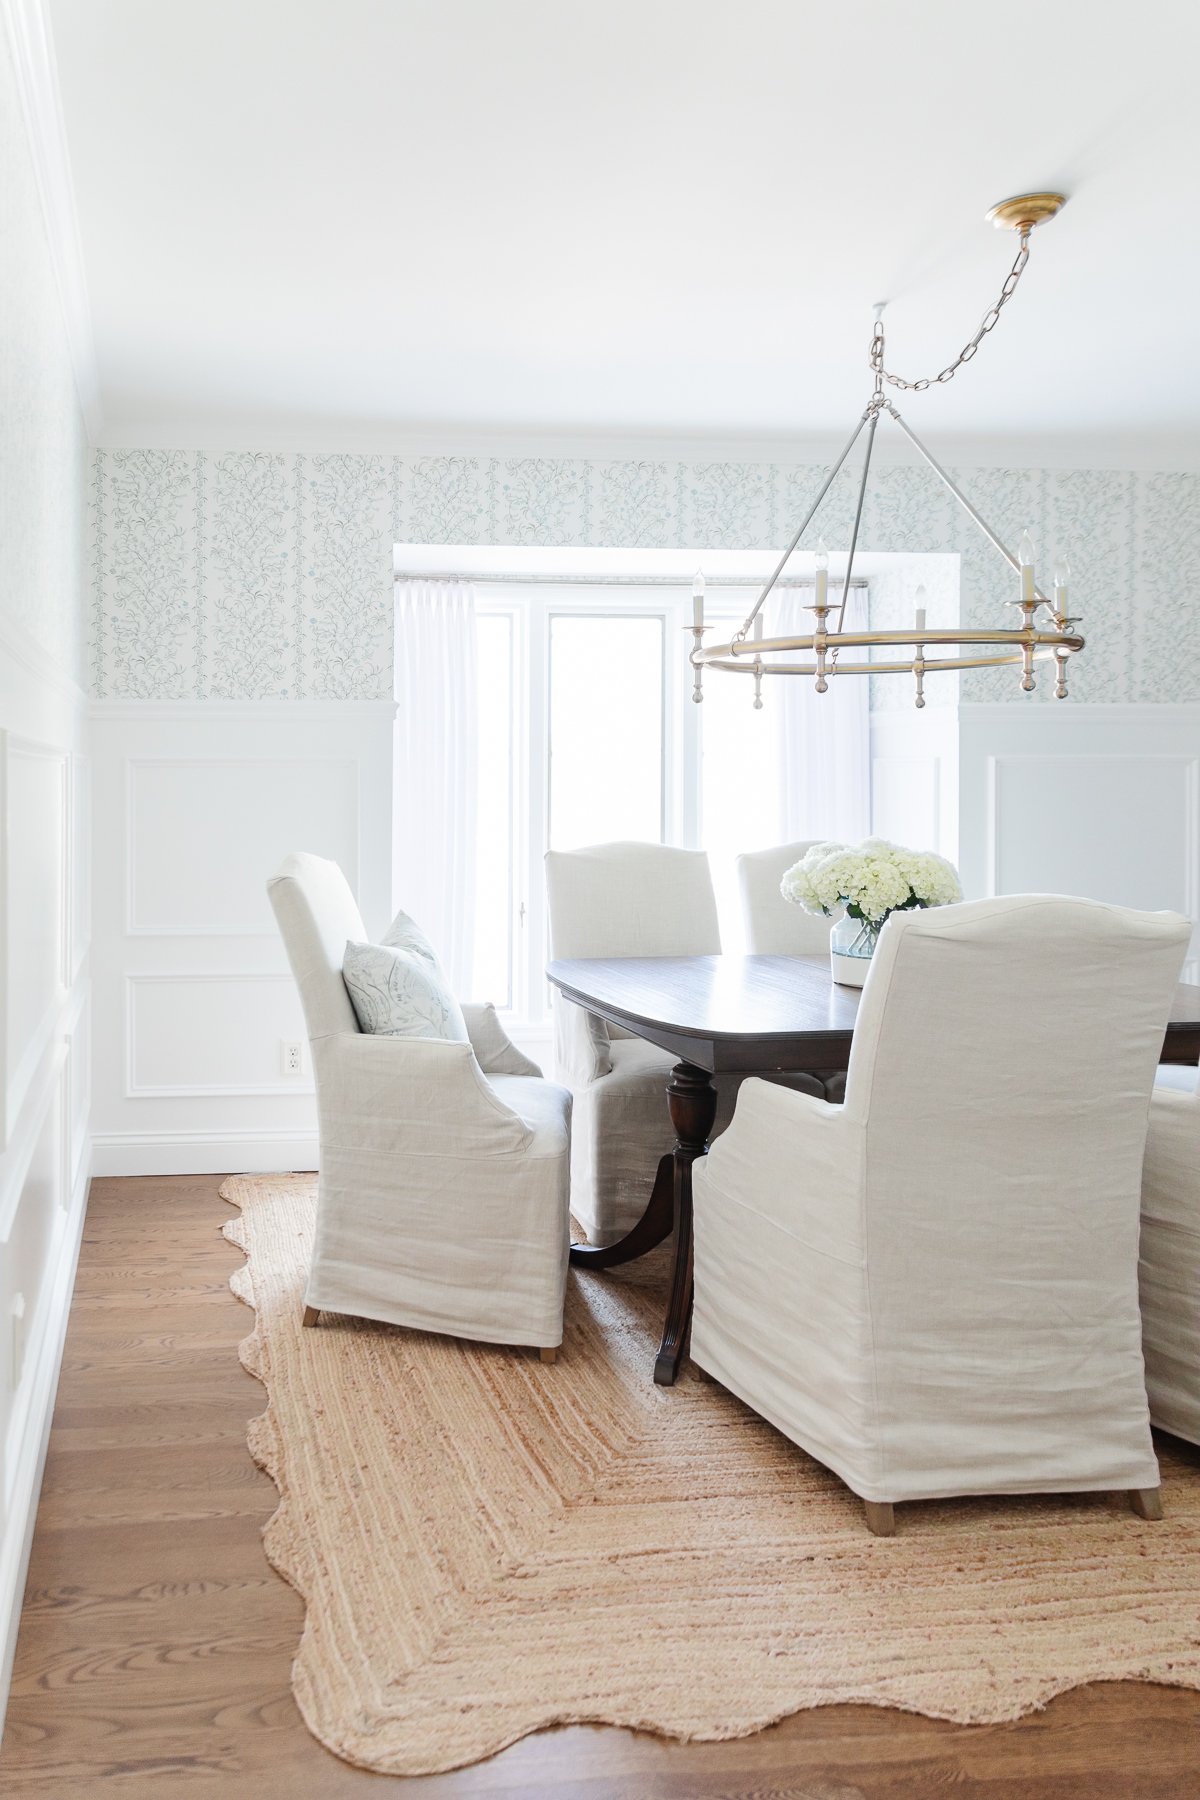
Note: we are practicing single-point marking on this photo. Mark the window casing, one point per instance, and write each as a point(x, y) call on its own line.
point(588, 733)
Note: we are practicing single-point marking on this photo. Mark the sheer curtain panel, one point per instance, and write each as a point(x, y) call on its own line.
point(437, 766)
point(821, 742)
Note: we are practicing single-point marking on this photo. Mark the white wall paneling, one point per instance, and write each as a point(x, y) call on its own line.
point(914, 777)
point(46, 369)
point(204, 1035)
point(222, 822)
point(36, 798)
point(44, 1063)
point(1096, 800)
point(195, 806)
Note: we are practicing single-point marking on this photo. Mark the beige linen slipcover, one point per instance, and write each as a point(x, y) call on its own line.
point(443, 1190)
point(1170, 1259)
point(771, 924)
point(932, 1288)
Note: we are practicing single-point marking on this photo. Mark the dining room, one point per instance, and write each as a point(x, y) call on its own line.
point(600, 860)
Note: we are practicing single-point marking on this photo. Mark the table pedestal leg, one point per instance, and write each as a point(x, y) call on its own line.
point(693, 1102)
point(653, 1226)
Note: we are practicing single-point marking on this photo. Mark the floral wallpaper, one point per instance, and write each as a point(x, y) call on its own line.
point(259, 575)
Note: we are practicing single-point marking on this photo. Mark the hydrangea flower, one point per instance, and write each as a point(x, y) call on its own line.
point(870, 880)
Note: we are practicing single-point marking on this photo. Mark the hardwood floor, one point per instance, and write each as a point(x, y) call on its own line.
point(156, 1642)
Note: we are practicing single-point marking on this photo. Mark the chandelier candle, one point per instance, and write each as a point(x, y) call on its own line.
point(999, 647)
point(822, 574)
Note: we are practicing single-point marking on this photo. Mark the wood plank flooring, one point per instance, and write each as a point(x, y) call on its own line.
point(156, 1642)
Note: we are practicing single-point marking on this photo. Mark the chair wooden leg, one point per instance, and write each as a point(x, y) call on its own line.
point(1146, 1502)
point(881, 1517)
point(548, 1353)
point(311, 1315)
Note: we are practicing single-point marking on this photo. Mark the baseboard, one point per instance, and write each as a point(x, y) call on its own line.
point(201, 1152)
point(31, 1456)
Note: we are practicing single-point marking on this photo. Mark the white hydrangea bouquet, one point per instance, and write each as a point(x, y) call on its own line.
point(870, 880)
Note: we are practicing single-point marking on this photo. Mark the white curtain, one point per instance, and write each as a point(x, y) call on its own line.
point(437, 767)
point(821, 742)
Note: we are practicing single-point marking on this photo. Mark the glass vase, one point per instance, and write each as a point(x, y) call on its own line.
point(851, 946)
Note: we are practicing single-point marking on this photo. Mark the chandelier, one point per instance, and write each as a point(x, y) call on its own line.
point(1036, 639)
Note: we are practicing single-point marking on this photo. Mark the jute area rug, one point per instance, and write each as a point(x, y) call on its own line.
point(488, 1545)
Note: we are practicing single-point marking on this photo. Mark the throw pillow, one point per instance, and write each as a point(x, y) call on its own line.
point(398, 994)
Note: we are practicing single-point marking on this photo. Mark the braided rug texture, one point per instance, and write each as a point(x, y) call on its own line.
point(488, 1545)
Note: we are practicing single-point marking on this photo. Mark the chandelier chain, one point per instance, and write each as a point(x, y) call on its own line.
point(988, 323)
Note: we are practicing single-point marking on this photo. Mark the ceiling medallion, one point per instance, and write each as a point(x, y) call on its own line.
point(1034, 640)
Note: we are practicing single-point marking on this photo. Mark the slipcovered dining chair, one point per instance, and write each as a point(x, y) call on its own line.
point(622, 899)
point(444, 1167)
point(933, 1288)
point(1170, 1259)
point(772, 925)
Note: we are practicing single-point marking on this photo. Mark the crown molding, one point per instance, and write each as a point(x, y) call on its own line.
point(1119, 451)
point(36, 70)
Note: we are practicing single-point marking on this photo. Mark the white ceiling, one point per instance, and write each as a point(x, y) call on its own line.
point(365, 220)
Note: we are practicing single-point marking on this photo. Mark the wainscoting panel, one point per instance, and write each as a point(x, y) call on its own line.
point(914, 778)
point(221, 823)
point(36, 901)
point(1102, 801)
point(44, 1060)
point(195, 807)
point(209, 1034)
point(1095, 825)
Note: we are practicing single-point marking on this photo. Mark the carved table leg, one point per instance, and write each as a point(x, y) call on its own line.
point(693, 1102)
point(650, 1230)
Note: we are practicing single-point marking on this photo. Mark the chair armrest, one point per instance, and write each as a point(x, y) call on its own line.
point(419, 1096)
point(796, 1161)
point(495, 1050)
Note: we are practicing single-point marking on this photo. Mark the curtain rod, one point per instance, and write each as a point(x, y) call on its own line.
point(537, 579)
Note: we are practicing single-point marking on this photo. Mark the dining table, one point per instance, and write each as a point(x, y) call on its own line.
point(723, 1017)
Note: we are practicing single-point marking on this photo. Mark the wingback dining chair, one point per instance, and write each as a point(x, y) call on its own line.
point(1170, 1259)
point(444, 1167)
point(771, 924)
point(932, 1288)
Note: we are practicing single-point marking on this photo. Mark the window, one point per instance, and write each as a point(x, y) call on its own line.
point(588, 733)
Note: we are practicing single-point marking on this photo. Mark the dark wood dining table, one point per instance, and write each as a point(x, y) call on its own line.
point(732, 1015)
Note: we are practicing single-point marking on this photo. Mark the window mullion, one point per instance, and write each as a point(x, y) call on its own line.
point(536, 781)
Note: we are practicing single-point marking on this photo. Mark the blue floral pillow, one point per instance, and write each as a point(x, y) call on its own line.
point(400, 993)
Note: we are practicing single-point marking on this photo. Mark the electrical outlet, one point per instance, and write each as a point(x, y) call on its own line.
point(291, 1053)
